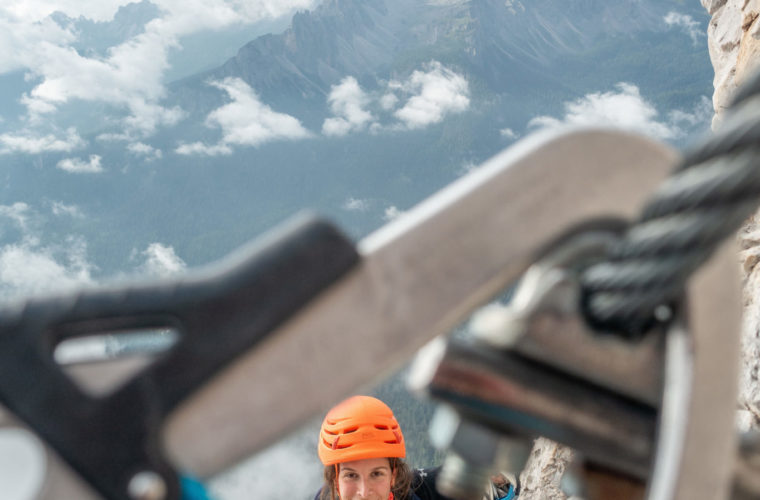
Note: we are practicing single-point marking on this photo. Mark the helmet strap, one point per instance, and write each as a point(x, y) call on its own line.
point(337, 488)
point(393, 479)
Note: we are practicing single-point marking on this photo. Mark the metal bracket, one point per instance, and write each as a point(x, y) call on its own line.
point(537, 368)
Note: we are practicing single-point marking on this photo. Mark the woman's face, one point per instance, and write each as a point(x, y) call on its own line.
point(368, 479)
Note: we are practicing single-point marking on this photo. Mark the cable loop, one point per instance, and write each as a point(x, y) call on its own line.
point(710, 194)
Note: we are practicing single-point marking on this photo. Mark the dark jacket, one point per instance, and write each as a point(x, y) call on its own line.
point(423, 486)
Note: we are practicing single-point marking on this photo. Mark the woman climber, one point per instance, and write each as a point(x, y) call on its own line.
point(362, 449)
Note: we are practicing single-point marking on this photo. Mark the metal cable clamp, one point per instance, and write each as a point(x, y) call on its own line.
point(638, 410)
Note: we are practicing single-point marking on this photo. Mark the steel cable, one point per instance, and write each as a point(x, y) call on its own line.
point(711, 192)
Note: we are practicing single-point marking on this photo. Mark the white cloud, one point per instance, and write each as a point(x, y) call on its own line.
point(66, 75)
point(162, 261)
point(687, 24)
point(245, 121)
point(436, 92)
point(624, 108)
point(34, 10)
point(356, 205)
point(392, 213)
point(147, 117)
point(35, 43)
point(218, 12)
point(198, 148)
point(59, 208)
point(28, 267)
point(144, 150)
point(336, 126)
point(20, 216)
point(37, 108)
point(508, 133)
point(388, 101)
point(347, 102)
point(21, 37)
point(114, 137)
point(29, 142)
point(79, 166)
point(18, 212)
point(428, 96)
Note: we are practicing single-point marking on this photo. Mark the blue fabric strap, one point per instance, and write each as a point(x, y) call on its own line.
point(510, 493)
point(192, 489)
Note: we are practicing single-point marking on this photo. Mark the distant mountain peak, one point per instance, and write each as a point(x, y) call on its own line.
point(98, 36)
point(372, 39)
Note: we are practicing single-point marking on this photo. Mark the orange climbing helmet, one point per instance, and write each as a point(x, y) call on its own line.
point(360, 427)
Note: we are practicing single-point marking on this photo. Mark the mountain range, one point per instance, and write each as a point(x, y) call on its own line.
point(344, 88)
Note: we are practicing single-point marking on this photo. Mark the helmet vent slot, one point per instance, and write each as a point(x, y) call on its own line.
point(399, 438)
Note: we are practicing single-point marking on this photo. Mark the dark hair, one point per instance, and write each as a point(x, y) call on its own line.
point(402, 482)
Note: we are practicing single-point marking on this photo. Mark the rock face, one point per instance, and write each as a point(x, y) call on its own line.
point(734, 44)
point(543, 472)
point(749, 389)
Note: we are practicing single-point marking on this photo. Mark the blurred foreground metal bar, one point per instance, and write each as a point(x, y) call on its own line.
point(416, 278)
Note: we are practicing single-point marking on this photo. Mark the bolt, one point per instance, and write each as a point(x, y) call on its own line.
point(147, 485)
point(663, 313)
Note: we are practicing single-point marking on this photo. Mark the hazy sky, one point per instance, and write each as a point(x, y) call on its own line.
point(129, 77)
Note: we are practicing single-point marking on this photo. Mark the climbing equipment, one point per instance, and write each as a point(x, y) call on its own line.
point(611, 343)
point(360, 427)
